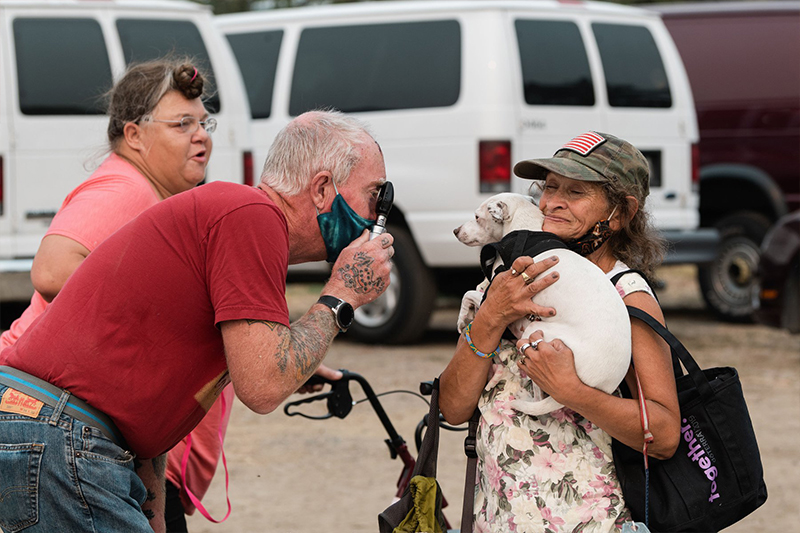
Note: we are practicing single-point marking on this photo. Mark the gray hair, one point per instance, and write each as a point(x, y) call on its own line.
point(143, 86)
point(313, 142)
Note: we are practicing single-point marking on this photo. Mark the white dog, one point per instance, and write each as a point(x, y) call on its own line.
point(591, 318)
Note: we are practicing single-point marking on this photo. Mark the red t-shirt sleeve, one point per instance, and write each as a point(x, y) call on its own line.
point(247, 257)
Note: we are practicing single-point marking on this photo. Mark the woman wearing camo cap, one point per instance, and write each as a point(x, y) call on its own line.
point(555, 472)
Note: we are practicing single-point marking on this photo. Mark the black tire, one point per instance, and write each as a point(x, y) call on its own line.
point(728, 284)
point(402, 313)
point(790, 314)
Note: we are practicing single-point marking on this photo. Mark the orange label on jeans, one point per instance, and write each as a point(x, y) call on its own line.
point(19, 403)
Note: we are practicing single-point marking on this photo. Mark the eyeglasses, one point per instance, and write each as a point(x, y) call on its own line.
point(190, 124)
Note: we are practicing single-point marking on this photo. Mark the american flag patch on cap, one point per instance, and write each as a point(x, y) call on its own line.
point(584, 144)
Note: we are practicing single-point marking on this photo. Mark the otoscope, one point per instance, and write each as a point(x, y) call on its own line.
point(385, 200)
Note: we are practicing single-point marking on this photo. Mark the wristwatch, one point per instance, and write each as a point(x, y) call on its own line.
point(342, 311)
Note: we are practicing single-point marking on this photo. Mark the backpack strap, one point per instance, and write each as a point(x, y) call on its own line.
point(185, 460)
point(676, 367)
point(470, 443)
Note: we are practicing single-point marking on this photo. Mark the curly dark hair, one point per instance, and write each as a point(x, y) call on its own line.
point(144, 84)
point(638, 244)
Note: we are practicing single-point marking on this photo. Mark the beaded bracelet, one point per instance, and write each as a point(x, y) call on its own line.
point(474, 349)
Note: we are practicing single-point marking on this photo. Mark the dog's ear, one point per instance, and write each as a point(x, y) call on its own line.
point(499, 211)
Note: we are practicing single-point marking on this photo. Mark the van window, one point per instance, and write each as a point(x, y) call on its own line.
point(62, 66)
point(555, 69)
point(635, 75)
point(146, 39)
point(378, 67)
point(654, 162)
point(257, 55)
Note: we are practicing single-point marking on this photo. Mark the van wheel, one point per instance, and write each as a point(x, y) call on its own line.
point(790, 314)
point(728, 283)
point(401, 314)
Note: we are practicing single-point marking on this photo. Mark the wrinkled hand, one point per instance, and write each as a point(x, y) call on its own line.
point(322, 371)
point(551, 365)
point(361, 273)
point(509, 296)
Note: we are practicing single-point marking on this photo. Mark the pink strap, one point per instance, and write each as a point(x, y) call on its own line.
point(185, 461)
point(648, 436)
point(191, 80)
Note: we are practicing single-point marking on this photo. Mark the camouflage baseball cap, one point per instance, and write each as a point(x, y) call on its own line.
point(593, 157)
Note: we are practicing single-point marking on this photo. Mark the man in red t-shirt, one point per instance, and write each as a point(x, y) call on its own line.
point(175, 305)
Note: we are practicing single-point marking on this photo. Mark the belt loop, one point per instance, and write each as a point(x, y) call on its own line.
point(59, 408)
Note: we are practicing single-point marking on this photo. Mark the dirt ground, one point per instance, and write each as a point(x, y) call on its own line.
point(292, 475)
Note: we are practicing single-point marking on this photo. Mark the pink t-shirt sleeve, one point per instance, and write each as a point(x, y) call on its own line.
point(101, 206)
point(113, 196)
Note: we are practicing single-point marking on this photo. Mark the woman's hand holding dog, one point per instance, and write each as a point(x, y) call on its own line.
point(550, 365)
point(509, 297)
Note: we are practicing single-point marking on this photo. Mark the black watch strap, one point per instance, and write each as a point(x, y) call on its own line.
point(331, 301)
point(342, 311)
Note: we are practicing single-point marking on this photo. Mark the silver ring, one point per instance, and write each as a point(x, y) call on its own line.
point(527, 278)
point(513, 272)
point(535, 344)
point(524, 347)
point(533, 317)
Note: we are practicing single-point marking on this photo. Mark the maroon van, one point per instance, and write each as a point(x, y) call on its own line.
point(743, 62)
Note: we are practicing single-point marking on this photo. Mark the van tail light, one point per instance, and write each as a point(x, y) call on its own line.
point(696, 165)
point(2, 186)
point(495, 166)
point(247, 168)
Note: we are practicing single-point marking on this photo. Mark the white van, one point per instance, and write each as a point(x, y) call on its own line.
point(456, 93)
point(57, 58)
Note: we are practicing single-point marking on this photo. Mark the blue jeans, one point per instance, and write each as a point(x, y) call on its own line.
point(59, 474)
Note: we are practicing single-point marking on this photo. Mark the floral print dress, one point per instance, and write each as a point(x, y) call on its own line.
point(552, 473)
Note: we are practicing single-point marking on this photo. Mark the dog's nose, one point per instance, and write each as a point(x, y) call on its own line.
point(455, 231)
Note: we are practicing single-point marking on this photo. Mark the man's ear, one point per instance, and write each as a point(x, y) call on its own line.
point(322, 193)
point(498, 210)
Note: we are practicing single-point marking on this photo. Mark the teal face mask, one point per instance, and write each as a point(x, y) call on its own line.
point(340, 227)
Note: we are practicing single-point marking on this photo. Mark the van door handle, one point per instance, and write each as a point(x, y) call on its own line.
point(670, 196)
point(37, 215)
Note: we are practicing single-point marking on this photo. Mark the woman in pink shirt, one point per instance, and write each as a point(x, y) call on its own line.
point(158, 132)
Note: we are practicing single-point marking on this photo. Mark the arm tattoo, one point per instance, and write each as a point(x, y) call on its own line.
point(270, 325)
point(282, 355)
point(158, 466)
point(304, 344)
point(360, 275)
point(308, 341)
